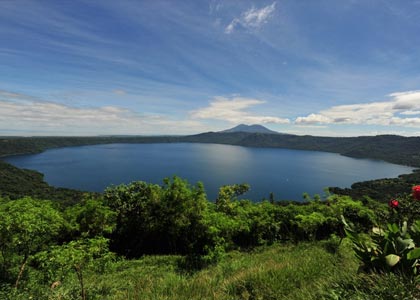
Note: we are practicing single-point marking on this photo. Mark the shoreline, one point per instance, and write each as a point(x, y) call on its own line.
point(55, 146)
point(344, 190)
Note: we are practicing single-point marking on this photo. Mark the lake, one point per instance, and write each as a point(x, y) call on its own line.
point(286, 173)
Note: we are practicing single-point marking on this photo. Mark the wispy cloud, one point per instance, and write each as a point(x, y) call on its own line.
point(390, 112)
point(28, 114)
point(119, 92)
point(252, 18)
point(234, 110)
point(4, 95)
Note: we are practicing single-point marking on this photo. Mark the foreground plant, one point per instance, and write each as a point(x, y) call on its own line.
point(76, 257)
point(394, 247)
point(26, 227)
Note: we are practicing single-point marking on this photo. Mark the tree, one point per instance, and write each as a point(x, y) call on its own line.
point(182, 211)
point(76, 256)
point(272, 199)
point(26, 226)
point(137, 206)
point(228, 194)
point(91, 218)
point(158, 219)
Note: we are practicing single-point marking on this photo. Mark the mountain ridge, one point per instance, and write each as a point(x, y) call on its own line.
point(254, 128)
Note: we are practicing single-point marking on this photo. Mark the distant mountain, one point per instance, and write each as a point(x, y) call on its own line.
point(250, 129)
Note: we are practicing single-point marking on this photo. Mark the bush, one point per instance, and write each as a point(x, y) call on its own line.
point(153, 219)
point(393, 247)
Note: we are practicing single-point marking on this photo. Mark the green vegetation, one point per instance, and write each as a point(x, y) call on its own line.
point(17, 183)
point(26, 226)
point(278, 272)
point(148, 241)
point(380, 189)
point(392, 246)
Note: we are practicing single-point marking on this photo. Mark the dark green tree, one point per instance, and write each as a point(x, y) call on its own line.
point(158, 219)
point(90, 218)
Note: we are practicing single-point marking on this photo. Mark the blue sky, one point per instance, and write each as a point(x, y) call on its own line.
point(337, 68)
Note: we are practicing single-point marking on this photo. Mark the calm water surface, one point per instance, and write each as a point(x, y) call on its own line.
point(287, 173)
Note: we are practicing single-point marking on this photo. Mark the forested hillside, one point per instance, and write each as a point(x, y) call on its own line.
point(380, 189)
point(17, 183)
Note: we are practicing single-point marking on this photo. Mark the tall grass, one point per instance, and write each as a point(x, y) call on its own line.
point(305, 271)
point(301, 271)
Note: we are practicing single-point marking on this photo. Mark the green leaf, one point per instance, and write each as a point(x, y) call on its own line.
point(393, 228)
point(377, 231)
point(404, 244)
point(346, 225)
point(414, 254)
point(392, 259)
point(416, 226)
point(404, 228)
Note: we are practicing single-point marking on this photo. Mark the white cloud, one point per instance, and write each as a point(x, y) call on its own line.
point(231, 26)
point(252, 18)
point(390, 112)
point(410, 112)
point(312, 119)
point(256, 17)
point(234, 110)
point(23, 115)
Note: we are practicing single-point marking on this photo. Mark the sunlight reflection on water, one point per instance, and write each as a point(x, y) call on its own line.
point(287, 173)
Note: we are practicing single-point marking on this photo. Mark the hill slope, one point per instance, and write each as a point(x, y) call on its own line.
point(17, 183)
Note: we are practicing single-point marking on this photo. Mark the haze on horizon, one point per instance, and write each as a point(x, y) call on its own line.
point(331, 68)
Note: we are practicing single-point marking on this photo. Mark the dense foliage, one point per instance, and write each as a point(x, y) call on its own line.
point(392, 246)
point(166, 219)
point(26, 227)
point(173, 218)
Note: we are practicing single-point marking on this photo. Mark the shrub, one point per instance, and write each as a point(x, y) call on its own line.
point(393, 247)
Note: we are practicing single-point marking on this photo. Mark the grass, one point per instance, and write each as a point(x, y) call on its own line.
point(277, 272)
point(304, 271)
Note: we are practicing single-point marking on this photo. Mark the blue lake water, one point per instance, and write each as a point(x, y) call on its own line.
point(286, 173)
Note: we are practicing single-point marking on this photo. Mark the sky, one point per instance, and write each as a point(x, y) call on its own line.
point(326, 68)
